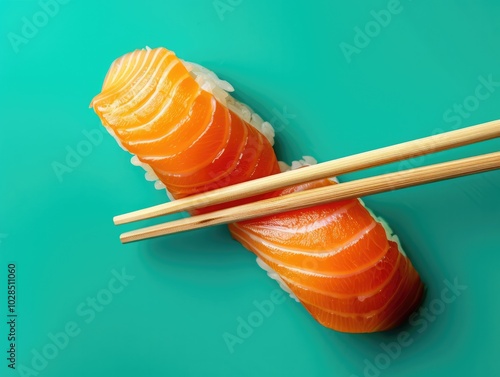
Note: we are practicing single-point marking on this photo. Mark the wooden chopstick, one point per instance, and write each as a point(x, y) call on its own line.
point(332, 168)
point(327, 194)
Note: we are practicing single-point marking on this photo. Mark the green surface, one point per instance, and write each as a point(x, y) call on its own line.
point(188, 290)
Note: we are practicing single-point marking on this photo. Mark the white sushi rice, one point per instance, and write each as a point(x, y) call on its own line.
point(211, 83)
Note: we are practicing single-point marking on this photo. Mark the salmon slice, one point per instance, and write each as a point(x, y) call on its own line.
point(393, 313)
point(337, 259)
point(355, 254)
point(192, 142)
point(353, 304)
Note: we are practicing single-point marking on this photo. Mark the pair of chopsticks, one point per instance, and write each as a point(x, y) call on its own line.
point(347, 190)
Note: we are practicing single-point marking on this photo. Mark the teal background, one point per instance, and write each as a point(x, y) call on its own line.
point(189, 289)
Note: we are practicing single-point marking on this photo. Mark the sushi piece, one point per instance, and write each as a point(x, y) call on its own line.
point(338, 260)
point(182, 134)
point(192, 136)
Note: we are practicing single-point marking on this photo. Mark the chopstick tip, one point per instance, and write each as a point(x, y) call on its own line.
point(124, 239)
point(117, 220)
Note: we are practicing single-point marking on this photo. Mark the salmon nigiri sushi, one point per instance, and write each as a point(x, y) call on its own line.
point(339, 260)
point(190, 139)
point(191, 136)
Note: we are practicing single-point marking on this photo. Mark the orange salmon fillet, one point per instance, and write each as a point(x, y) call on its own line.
point(338, 261)
point(192, 142)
